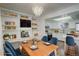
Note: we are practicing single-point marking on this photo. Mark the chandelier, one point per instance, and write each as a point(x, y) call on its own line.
point(37, 10)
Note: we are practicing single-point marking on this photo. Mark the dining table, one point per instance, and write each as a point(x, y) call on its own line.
point(42, 49)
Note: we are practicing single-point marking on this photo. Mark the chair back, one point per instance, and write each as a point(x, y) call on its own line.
point(9, 45)
point(54, 40)
point(70, 41)
point(8, 52)
point(45, 38)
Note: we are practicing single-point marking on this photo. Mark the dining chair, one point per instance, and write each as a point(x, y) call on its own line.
point(8, 52)
point(71, 47)
point(45, 38)
point(53, 40)
point(49, 37)
point(15, 52)
point(70, 41)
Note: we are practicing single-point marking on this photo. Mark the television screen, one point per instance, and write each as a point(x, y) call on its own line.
point(25, 23)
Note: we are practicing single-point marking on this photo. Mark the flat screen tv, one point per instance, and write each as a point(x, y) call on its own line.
point(25, 23)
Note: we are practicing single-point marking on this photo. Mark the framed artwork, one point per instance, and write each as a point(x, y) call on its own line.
point(77, 26)
point(24, 33)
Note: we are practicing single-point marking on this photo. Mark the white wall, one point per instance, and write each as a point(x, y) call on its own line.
point(41, 28)
point(57, 24)
point(72, 24)
point(1, 40)
point(58, 13)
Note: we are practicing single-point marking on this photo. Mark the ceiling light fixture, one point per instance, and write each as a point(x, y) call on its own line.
point(37, 10)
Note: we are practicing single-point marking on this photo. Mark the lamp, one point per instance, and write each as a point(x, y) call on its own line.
point(37, 10)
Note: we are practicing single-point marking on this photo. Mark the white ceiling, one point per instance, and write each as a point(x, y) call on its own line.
point(27, 7)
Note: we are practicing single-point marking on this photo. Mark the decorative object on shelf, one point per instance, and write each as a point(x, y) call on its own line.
point(6, 36)
point(10, 14)
point(35, 34)
point(34, 25)
point(46, 29)
point(9, 36)
point(24, 17)
point(13, 36)
point(34, 28)
point(56, 30)
point(9, 25)
point(24, 33)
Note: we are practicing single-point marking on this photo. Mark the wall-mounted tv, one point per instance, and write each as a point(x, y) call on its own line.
point(25, 23)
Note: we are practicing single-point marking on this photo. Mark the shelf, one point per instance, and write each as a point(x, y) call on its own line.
point(34, 24)
point(12, 40)
point(10, 25)
point(34, 28)
point(8, 13)
point(24, 17)
point(9, 30)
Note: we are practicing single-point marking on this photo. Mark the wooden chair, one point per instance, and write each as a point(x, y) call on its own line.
point(71, 47)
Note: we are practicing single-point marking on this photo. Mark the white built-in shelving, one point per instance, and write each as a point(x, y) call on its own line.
point(11, 24)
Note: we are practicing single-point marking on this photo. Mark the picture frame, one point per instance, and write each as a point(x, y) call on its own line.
point(24, 33)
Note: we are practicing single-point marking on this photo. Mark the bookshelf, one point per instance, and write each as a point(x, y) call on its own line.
point(9, 25)
point(34, 27)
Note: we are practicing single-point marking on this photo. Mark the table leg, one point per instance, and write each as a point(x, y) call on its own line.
point(55, 52)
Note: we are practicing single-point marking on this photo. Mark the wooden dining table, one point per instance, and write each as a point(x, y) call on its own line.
point(42, 50)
